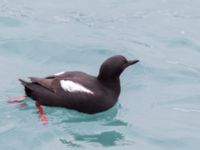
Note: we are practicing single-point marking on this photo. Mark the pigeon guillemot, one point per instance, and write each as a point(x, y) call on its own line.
point(80, 91)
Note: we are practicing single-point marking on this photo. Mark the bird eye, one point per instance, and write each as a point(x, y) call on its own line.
point(125, 61)
point(125, 64)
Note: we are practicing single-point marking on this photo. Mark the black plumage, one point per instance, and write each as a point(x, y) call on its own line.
point(100, 94)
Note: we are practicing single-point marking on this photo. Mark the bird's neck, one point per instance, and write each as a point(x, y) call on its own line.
point(112, 83)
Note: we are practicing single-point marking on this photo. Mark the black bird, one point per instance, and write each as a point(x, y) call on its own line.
point(78, 90)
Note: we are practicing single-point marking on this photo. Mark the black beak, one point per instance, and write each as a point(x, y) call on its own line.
point(132, 62)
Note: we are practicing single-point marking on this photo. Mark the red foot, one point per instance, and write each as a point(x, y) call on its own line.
point(16, 99)
point(22, 105)
point(43, 117)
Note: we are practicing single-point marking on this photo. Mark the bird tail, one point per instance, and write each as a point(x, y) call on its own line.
point(24, 83)
point(27, 87)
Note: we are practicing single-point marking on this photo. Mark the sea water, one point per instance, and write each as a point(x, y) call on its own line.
point(159, 106)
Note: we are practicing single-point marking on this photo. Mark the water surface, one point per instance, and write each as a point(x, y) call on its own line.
point(159, 107)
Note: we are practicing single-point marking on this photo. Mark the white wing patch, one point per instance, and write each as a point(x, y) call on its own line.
point(59, 73)
point(71, 86)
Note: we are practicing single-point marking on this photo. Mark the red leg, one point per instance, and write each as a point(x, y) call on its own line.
point(16, 99)
point(42, 113)
point(22, 105)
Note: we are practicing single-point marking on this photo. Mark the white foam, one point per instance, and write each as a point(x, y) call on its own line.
point(71, 86)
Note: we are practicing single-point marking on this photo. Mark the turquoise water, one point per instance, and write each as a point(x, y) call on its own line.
point(159, 107)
